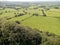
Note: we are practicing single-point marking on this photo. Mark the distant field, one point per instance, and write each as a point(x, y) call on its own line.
point(53, 12)
point(44, 23)
point(49, 23)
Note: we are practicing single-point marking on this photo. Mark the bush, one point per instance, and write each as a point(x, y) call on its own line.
point(43, 12)
point(16, 34)
point(21, 14)
point(13, 33)
point(35, 14)
point(16, 15)
point(50, 34)
point(17, 22)
point(56, 7)
point(6, 11)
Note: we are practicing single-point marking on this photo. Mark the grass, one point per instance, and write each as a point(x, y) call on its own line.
point(44, 23)
point(51, 23)
point(53, 12)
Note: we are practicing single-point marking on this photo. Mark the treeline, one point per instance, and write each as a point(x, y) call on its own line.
point(14, 33)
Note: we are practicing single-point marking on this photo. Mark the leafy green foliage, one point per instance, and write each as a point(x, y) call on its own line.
point(16, 34)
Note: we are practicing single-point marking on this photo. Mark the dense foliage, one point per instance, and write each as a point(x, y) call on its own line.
point(13, 33)
point(16, 34)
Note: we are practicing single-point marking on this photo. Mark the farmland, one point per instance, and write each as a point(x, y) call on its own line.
point(49, 23)
point(43, 17)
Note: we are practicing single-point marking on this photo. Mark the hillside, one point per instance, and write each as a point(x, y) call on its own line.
point(30, 23)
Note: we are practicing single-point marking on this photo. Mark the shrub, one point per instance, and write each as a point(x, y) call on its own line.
point(6, 11)
point(43, 13)
point(21, 14)
point(13, 33)
point(56, 7)
point(17, 22)
point(35, 14)
point(16, 34)
point(50, 34)
point(16, 15)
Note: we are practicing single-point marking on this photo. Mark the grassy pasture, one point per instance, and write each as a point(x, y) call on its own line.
point(51, 23)
point(44, 23)
point(53, 12)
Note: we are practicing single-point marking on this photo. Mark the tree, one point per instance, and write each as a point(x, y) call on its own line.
point(16, 34)
point(43, 12)
point(35, 14)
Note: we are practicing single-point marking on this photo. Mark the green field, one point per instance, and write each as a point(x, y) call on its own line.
point(50, 23)
point(29, 23)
